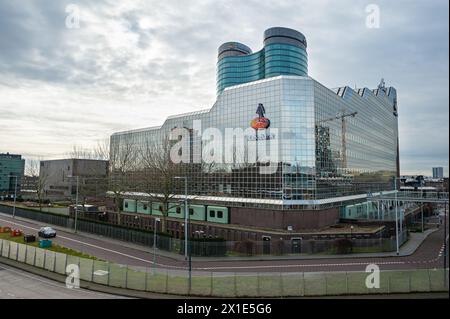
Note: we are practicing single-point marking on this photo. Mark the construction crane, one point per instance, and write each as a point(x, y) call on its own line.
point(342, 116)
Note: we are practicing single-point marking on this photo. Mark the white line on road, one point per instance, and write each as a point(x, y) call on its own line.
point(237, 267)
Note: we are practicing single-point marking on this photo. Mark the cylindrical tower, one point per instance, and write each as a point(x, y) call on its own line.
point(237, 64)
point(285, 52)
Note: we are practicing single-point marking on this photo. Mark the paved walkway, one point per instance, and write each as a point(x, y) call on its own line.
point(18, 284)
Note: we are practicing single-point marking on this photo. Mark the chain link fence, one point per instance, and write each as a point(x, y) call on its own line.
point(227, 284)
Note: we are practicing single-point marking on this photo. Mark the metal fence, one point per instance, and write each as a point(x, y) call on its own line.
point(214, 248)
point(227, 284)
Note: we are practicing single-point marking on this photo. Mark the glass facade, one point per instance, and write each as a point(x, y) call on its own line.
point(284, 53)
point(10, 166)
point(330, 145)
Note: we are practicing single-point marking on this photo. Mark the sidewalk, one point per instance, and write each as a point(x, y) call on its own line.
point(415, 240)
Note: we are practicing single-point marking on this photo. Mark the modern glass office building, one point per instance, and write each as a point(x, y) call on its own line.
point(11, 167)
point(324, 148)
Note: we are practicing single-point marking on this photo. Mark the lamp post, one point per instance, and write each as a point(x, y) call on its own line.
point(445, 245)
point(186, 230)
point(421, 206)
point(15, 195)
point(187, 219)
point(154, 244)
point(396, 217)
point(76, 201)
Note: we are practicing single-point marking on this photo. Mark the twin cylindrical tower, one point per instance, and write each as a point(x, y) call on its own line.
point(284, 53)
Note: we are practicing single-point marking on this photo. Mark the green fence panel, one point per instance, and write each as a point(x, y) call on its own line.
point(247, 285)
point(31, 255)
point(49, 260)
point(13, 248)
point(86, 269)
point(178, 284)
point(292, 284)
point(5, 248)
point(60, 263)
point(437, 280)
point(157, 281)
point(356, 283)
point(136, 278)
point(223, 285)
point(420, 281)
point(270, 285)
point(22, 253)
point(39, 260)
point(399, 281)
point(336, 283)
point(118, 275)
point(73, 260)
point(101, 272)
point(202, 285)
point(315, 284)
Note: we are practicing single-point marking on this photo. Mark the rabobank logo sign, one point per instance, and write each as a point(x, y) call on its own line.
point(230, 145)
point(261, 122)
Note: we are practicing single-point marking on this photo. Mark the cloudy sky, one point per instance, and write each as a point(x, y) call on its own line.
point(130, 64)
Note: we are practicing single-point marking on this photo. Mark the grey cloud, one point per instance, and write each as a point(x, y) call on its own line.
point(172, 61)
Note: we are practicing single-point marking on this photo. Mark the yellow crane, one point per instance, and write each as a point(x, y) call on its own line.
point(342, 116)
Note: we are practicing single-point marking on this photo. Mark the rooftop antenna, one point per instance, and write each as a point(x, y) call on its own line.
point(382, 85)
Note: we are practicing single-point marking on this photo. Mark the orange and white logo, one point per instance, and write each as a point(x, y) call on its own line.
point(261, 122)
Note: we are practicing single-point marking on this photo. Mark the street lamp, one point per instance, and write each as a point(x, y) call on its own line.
point(15, 195)
point(186, 215)
point(187, 219)
point(76, 202)
point(154, 244)
point(396, 217)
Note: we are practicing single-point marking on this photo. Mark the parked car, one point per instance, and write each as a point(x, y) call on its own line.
point(47, 232)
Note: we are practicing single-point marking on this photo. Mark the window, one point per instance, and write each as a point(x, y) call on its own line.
point(212, 213)
point(219, 214)
point(145, 206)
point(160, 208)
point(126, 204)
point(191, 211)
point(178, 210)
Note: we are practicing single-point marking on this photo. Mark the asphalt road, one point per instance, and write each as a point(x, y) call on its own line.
point(17, 284)
point(428, 255)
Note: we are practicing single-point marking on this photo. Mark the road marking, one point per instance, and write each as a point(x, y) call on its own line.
point(240, 267)
point(99, 247)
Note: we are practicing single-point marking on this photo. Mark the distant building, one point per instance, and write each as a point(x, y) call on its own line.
point(11, 166)
point(438, 172)
point(29, 183)
point(59, 176)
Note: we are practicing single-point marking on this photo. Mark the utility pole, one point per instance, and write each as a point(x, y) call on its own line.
point(445, 244)
point(396, 217)
point(15, 195)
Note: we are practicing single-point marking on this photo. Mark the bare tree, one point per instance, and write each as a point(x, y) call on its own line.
point(122, 168)
point(100, 152)
point(157, 179)
point(41, 178)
